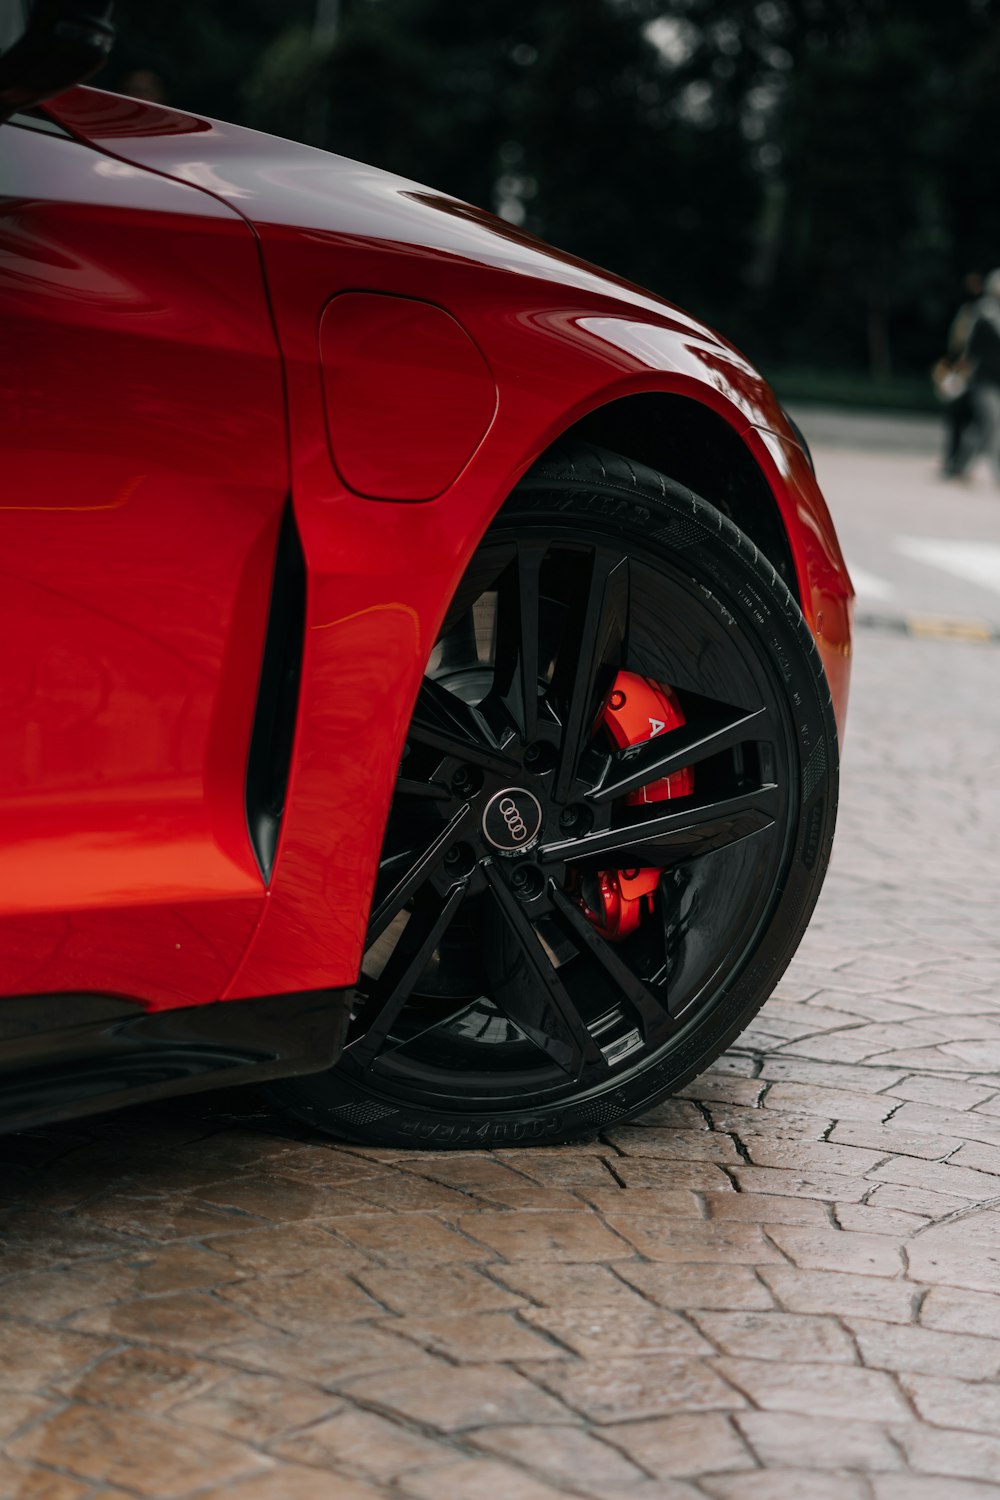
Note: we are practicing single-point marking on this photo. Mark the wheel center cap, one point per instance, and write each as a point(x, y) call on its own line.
point(512, 820)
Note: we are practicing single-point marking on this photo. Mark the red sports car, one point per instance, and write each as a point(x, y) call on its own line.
point(423, 651)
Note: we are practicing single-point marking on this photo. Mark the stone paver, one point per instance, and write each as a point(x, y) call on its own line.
point(647, 1385)
point(784, 1283)
point(778, 1336)
point(147, 1454)
point(679, 1445)
point(567, 1455)
point(781, 1440)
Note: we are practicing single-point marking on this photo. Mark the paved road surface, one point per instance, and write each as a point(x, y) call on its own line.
point(783, 1286)
point(916, 544)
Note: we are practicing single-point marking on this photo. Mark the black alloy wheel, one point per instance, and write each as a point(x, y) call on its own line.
point(498, 1001)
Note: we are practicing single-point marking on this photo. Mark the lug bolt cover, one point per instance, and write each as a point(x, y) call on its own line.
point(528, 881)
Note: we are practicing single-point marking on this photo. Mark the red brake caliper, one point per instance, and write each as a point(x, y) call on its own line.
point(637, 709)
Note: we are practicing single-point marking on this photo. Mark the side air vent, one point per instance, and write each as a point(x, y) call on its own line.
point(277, 697)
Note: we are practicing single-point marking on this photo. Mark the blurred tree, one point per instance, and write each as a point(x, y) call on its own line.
point(868, 130)
point(630, 161)
point(564, 116)
point(202, 51)
point(813, 175)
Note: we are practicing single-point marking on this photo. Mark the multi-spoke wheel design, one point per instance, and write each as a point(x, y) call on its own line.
point(571, 917)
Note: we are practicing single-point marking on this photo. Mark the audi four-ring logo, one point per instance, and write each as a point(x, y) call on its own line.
point(512, 819)
point(511, 816)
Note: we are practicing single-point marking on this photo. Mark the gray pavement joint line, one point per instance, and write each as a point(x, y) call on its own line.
point(932, 628)
point(977, 1206)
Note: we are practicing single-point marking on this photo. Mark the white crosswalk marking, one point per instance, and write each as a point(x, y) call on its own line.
point(975, 562)
point(867, 585)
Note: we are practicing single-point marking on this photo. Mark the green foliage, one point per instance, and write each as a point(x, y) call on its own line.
point(203, 52)
point(813, 175)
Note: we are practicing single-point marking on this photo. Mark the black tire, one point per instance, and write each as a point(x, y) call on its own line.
point(614, 567)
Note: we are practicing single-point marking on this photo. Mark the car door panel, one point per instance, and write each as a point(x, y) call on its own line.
point(144, 480)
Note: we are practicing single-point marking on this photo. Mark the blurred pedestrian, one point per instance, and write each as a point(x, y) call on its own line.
point(951, 382)
point(983, 356)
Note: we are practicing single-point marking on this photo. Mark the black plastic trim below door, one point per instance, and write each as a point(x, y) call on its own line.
point(62, 1056)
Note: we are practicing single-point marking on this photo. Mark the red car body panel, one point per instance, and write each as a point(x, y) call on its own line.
point(394, 369)
point(535, 341)
point(144, 475)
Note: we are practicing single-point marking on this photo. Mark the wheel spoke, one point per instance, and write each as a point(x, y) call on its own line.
point(651, 760)
point(656, 1021)
point(446, 724)
point(408, 960)
point(415, 876)
point(556, 1026)
point(675, 836)
point(590, 653)
point(517, 666)
point(430, 791)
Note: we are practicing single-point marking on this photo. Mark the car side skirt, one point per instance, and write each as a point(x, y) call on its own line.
point(63, 1056)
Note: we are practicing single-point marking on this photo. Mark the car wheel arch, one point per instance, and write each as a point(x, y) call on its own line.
point(696, 446)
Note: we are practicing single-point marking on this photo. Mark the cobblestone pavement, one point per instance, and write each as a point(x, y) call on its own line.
point(785, 1283)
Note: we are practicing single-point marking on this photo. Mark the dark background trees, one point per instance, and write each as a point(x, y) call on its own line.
point(813, 175)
